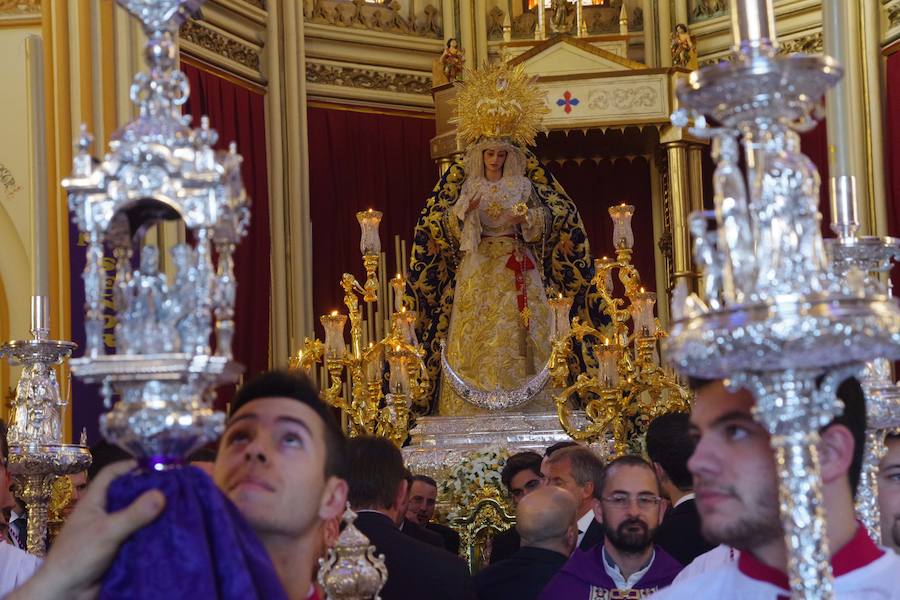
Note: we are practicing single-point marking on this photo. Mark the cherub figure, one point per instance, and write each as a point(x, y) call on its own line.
point(452, 60)
point(684, 47)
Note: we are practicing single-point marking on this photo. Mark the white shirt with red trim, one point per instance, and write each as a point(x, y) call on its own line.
point(862, 571)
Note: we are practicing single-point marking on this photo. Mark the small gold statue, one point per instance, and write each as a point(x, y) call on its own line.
point(684, 47)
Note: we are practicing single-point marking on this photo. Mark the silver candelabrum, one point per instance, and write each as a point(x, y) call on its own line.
point(776, 318)
point(37, 454)
point(864, 263)
point(157, 169)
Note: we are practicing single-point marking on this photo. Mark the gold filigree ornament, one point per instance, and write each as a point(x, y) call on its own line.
point(499, 102)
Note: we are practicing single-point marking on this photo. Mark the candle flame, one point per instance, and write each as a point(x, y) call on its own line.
point(642, 290)
point(560, 295)
point(334, 313)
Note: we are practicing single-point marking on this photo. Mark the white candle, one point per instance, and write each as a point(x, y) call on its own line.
point(40, 215)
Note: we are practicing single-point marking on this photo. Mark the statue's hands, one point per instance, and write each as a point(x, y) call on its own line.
point(89, 540)
point(474, 203)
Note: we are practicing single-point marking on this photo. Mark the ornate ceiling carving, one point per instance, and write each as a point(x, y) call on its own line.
point(367, 79)
point(227, 47)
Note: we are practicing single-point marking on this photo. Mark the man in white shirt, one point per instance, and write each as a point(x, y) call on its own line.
point(16, 565)
point(737, 496)
point(889, 493)
point(579, 471)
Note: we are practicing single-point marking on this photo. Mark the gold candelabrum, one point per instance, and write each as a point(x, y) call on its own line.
point(624, 386)
point(353, 377)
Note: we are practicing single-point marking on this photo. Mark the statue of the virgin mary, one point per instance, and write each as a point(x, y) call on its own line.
point(495, 235)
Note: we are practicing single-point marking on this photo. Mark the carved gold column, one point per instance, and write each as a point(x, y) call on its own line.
point(481, 47)
point(448, 19)
point(664, 31)
point(681, 12)
point(651, 48)
point(682, 201)
point(853, 108)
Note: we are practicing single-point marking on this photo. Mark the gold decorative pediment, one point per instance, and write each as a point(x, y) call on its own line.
point(567, 55)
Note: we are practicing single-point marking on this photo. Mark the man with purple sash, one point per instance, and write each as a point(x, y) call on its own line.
point(627, 564)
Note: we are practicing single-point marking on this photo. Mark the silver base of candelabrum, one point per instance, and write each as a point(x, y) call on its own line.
point(776, 319)
point(37, 454)
point(159, 168)
point(865, 263)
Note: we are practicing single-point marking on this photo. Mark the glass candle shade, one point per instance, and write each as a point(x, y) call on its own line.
point(642, 313)
point(560, 325)
point(334, 334)
point(398, 284)
point(621, 215)
point(399, 379)
point(599, 265)
point(608, 368)
point(370, 242)
point(374, 365)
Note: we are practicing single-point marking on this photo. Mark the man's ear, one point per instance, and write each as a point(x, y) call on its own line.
point(659, 472)
point(589, 489)
point(835, 452)
point(402, 493)
point(598, 511)
point(334, 499)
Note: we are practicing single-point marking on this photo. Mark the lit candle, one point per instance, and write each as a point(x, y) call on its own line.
point(642, 313)
point(622, 234)
point(334, 334)
point(608, 370)
point(399, 284)
point(560, 326)
point(370, 242)
point(399, 379)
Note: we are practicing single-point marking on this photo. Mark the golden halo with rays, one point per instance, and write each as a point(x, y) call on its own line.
point(499, 102)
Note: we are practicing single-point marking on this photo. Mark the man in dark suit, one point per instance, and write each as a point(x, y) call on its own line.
point(422, 502)
point(546, 524)
point(579, 471)
point(410, 526)
point(669, 447)
point(377, 492)
point(521, 475)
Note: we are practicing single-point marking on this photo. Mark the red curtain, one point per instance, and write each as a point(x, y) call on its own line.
point(361, 160)
point(238, 114)
point(595, 186)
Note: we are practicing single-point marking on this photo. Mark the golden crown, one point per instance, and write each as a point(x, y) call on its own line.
point(499, 102)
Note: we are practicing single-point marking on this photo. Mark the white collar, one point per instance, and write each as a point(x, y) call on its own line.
point(685, 498)
point(612, 569)
point(583, 523)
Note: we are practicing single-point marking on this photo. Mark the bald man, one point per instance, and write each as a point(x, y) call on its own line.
point(548, 528)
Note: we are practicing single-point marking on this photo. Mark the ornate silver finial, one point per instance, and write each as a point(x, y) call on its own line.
point(352, 570)
point(781, 316)
point(159, 169)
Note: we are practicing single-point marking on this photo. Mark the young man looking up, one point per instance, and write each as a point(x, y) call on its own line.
point(737, 496)
point(280, 461)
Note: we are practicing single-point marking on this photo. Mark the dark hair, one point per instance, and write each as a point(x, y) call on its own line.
point(425, 479)
point(102, 454)
point(695, 384)
point(558, 446)
point(670, 446)
point(854, 419)
point(521, 461)
point(586, 466)
point(4, 445)
point(627, 460)
point(374, 472)
point(285, 384)
point(451, 40)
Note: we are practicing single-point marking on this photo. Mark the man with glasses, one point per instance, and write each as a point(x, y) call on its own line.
point(626, 564)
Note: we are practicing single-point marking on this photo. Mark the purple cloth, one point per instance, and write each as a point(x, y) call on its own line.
point(584, 570)
point(199, 547)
